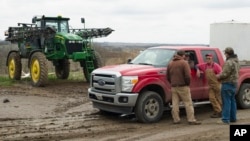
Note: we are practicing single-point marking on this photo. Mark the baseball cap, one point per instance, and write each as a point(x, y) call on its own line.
point(209, 55)
point(229, 50)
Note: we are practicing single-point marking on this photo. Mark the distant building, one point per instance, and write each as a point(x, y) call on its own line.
point(234, 34)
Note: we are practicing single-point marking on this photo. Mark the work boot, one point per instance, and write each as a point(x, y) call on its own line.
point(178, 122)
point(194, 123)
point(216, 115)
point(223, 122)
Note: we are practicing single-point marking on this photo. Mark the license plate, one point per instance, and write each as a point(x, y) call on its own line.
point(99, 97)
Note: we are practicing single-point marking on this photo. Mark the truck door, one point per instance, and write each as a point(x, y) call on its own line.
point(197, 85)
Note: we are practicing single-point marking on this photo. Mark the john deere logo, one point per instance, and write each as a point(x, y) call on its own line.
point(101, 82)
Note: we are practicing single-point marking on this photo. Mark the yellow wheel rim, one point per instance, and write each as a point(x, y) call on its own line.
point(12, 68)
point(35, 70)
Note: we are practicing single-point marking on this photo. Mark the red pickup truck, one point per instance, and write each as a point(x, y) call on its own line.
point(140, 86)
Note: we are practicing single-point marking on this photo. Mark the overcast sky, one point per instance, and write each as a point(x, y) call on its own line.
point(135, 21)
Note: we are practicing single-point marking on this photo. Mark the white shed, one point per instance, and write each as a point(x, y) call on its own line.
point(231, 34)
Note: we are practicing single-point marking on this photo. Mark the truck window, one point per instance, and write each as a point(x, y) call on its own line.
point(215, 57)
point(191, 57)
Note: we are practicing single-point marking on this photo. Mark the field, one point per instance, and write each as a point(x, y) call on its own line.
point(111, 53)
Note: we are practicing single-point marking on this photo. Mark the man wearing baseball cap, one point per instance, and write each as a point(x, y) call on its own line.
point(229, 78)
point(211, 69)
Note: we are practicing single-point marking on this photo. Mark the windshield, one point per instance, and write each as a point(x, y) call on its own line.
point(58, 25)
point(155, 56)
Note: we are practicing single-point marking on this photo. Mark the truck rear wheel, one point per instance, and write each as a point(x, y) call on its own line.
point(149, 107)
point(62, 69)
point(14, 66)
point(38, 69)
point(243, 96)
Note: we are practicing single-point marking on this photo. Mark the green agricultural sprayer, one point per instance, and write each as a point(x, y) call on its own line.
point(50, 39)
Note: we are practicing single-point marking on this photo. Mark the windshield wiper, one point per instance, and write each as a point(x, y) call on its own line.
point(146, 64)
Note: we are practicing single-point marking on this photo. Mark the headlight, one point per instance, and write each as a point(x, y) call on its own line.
point(128, 83)
point(72, 42)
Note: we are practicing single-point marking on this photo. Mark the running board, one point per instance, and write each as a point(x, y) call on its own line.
point(195, 104)
point(201, 103)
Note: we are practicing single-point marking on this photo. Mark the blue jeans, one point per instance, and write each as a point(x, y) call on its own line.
point(229, 108)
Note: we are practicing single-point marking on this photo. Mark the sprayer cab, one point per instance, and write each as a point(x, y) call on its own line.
point(59, 24)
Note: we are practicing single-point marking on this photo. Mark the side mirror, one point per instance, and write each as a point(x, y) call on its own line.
point(129, 60)
point(82, 20)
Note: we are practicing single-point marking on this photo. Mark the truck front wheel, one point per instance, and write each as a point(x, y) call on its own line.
point(243, 97)
point(149, 107)
point(38, 69)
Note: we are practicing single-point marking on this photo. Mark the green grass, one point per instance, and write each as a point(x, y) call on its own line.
point(72, 76)
point(75, 76)
point(5, 81)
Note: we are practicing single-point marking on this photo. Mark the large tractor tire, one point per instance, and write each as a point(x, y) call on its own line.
point(149, 107)
point(86, 73)
point(38, 69)
point(14, 66)
point(62, 69)
point(97, 62)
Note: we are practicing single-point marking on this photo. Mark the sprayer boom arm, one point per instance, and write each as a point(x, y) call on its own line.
point(16, 34)
point(92, 32)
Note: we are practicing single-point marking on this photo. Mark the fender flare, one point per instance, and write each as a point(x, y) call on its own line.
point(153, 81)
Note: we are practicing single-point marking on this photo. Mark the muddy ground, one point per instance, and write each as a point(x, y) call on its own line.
point(61, 111)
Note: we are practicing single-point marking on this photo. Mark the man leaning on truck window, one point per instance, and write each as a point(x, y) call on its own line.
point(228, 78)
point(191, 64)
point(211, 69)
point(179, 76)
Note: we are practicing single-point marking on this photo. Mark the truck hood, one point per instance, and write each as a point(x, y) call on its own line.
point(130, 69)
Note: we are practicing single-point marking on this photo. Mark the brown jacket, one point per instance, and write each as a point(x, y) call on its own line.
point(178, 72)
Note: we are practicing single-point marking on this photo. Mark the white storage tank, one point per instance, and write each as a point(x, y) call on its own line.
point(231, 34)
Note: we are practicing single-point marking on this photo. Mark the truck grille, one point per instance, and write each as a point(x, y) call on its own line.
point(74, 47)
point(105, 83)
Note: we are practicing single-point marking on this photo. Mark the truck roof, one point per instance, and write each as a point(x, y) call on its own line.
point(185, 47)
